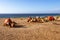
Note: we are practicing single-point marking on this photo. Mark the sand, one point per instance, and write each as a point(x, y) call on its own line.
point(30, 31)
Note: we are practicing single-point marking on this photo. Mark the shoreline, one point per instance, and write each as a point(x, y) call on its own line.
point(28, 16)
point(25, 15)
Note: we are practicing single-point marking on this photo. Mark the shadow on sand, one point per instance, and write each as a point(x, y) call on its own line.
point(19, 26)
point(56, 23)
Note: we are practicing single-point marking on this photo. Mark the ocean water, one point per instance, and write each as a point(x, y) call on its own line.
point(25, 15)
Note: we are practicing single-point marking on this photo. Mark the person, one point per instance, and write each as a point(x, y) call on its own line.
point(7, 22)
point(38, 18)
point(29, 19)
point(50, 18)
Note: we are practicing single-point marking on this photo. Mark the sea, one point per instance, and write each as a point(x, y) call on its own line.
point(26, 15)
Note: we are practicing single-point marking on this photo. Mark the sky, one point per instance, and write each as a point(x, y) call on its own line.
point(29, 6)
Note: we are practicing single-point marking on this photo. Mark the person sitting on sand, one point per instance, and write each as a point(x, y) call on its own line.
point(8, 22)
point(29, 19)
point(33, 20)
point(51, 18)
point(38, 18)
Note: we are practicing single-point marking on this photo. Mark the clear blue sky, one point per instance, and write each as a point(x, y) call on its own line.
point(29, 6)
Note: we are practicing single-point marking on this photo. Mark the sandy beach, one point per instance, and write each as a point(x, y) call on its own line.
point(30, 31)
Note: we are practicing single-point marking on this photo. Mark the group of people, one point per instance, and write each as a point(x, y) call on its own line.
point(9, 22)
point(38, 19)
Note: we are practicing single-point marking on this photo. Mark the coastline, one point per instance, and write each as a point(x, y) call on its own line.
point(26, 15)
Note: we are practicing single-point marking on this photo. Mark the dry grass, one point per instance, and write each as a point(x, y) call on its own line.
point(30, 31)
